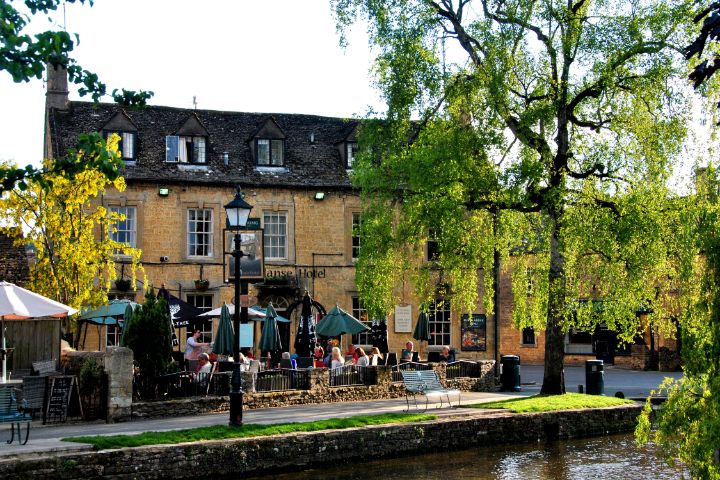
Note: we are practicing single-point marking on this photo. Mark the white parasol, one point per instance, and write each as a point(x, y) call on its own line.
point(17, 303)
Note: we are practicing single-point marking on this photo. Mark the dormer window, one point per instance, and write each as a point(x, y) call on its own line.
point(270, 152)
point(185, 149)
point(350, 151)
point(126, 146)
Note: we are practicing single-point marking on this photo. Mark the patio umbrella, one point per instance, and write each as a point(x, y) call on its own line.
point(279, 318)
point(305, 337)
point(17, 303)
point(225, 338)
point(338, 322)
point(127, 318)
point(422, 329)
point(252, 312)
point(270, 336)
point(114, 308)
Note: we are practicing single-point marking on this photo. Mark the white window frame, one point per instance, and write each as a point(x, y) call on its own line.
point(126, 146)
point(193, 233)
point(177, 150)
point(207, 330)
point(350, 151)
point(362, 338)
point(275, 242)
point(114, 332)
point(440, 316)
point(130, 224)
point(355, 220)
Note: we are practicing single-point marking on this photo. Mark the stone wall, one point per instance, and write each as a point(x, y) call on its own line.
point(238, 457)
point(320, 392)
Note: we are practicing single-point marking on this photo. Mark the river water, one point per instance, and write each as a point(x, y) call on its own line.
point(611, 457)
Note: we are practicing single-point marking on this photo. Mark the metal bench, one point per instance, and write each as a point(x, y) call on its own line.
point(9, 413)
point(427, 383)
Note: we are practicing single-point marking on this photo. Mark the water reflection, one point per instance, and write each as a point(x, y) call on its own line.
point(613, 457)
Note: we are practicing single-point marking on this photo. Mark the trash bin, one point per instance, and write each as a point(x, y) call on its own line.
point(594, 377)
point(510, 373)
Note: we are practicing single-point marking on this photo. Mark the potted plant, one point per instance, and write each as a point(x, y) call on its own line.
point(277, 280)
point(122, 284)
point(202, 284)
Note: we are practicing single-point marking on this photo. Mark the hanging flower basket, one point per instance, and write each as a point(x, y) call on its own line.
point(122, 284)
point(202, 285)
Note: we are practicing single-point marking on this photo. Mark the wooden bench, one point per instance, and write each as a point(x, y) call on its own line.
point(427, 383)
point(9, 413)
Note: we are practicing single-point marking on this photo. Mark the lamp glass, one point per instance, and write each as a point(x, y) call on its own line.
point(238, 211)
point(319, 195)
point(163, 191)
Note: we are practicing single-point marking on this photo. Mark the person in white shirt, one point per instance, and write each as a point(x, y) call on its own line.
point(362, 360)
point(337, 360)
point(193, 346)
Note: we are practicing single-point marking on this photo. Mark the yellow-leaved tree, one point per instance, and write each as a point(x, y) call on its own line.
point(71, 231)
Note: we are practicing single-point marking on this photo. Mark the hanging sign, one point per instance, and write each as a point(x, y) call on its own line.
point(403, 318)
point(473, 332)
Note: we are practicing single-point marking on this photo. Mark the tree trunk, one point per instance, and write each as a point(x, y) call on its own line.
point(554, 376)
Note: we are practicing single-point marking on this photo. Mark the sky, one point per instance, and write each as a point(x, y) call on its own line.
point(270, 56)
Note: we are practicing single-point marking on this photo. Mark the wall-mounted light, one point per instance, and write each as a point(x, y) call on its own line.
point(319, 195)
point(226, 157)
point(163, 191)
point(312, 137)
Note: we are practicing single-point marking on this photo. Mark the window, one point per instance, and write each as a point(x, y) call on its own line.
point(350, 151)
point(433, 249)
point(185, 149)
point(112, 335)
point(355, 236)
point(362, 338)
point(275, 244)
point(270, 152)
point(204, 303)
point(200, 236)
point(125, 231)
point(528, 336)
point(439, 319)
point(126, 147)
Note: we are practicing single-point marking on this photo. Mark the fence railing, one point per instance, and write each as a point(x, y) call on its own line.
point(350, 375)
point(282, 379)
point(412, 366)
point(462, 368)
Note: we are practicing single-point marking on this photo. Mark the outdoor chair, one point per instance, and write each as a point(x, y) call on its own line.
point(286, 364)
point(304, 362)
point(433, 357)
point(391, 359)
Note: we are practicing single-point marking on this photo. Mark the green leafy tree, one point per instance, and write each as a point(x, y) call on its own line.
point(545, 130)
point(25, 56)
point(73, 264)
point(148, 336)
point(687, 428)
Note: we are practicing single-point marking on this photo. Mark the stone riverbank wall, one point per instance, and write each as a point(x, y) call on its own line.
point(264, 455)
point(319, 391)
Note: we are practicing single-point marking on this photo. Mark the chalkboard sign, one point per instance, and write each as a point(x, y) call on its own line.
point(63, 397)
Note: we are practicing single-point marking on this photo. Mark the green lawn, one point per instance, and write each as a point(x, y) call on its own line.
point(221, 432)
point(549, 403)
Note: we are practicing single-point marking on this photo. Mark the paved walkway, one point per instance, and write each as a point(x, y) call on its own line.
point(47, 438)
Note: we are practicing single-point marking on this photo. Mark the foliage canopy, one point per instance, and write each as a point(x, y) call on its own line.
point(546, 130)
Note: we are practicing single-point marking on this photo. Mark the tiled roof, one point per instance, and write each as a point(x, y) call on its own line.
point(308, 164)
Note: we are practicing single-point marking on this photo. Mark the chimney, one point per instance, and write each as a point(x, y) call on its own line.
point(57, 88)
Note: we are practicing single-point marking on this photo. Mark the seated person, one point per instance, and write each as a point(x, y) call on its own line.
point(319, 357)
point(447, 355)
point(352, 352)
point(376, 358)
point(287, 361)
point(407, 352)
point(202, 372)
point(337, 360)
point(247, 352)
point(362, 360)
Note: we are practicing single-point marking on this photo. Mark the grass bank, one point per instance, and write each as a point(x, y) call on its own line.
point(221, 432)
point(550, 403)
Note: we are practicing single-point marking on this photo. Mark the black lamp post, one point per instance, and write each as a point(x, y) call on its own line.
point(238, 212)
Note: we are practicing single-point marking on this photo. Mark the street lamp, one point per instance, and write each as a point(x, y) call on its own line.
point(238, 212)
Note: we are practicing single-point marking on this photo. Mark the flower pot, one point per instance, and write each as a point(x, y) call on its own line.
point(122, 284)
point(201, 285)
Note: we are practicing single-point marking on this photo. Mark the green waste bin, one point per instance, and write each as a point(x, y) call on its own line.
point(594, 377)
point(510, 373)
